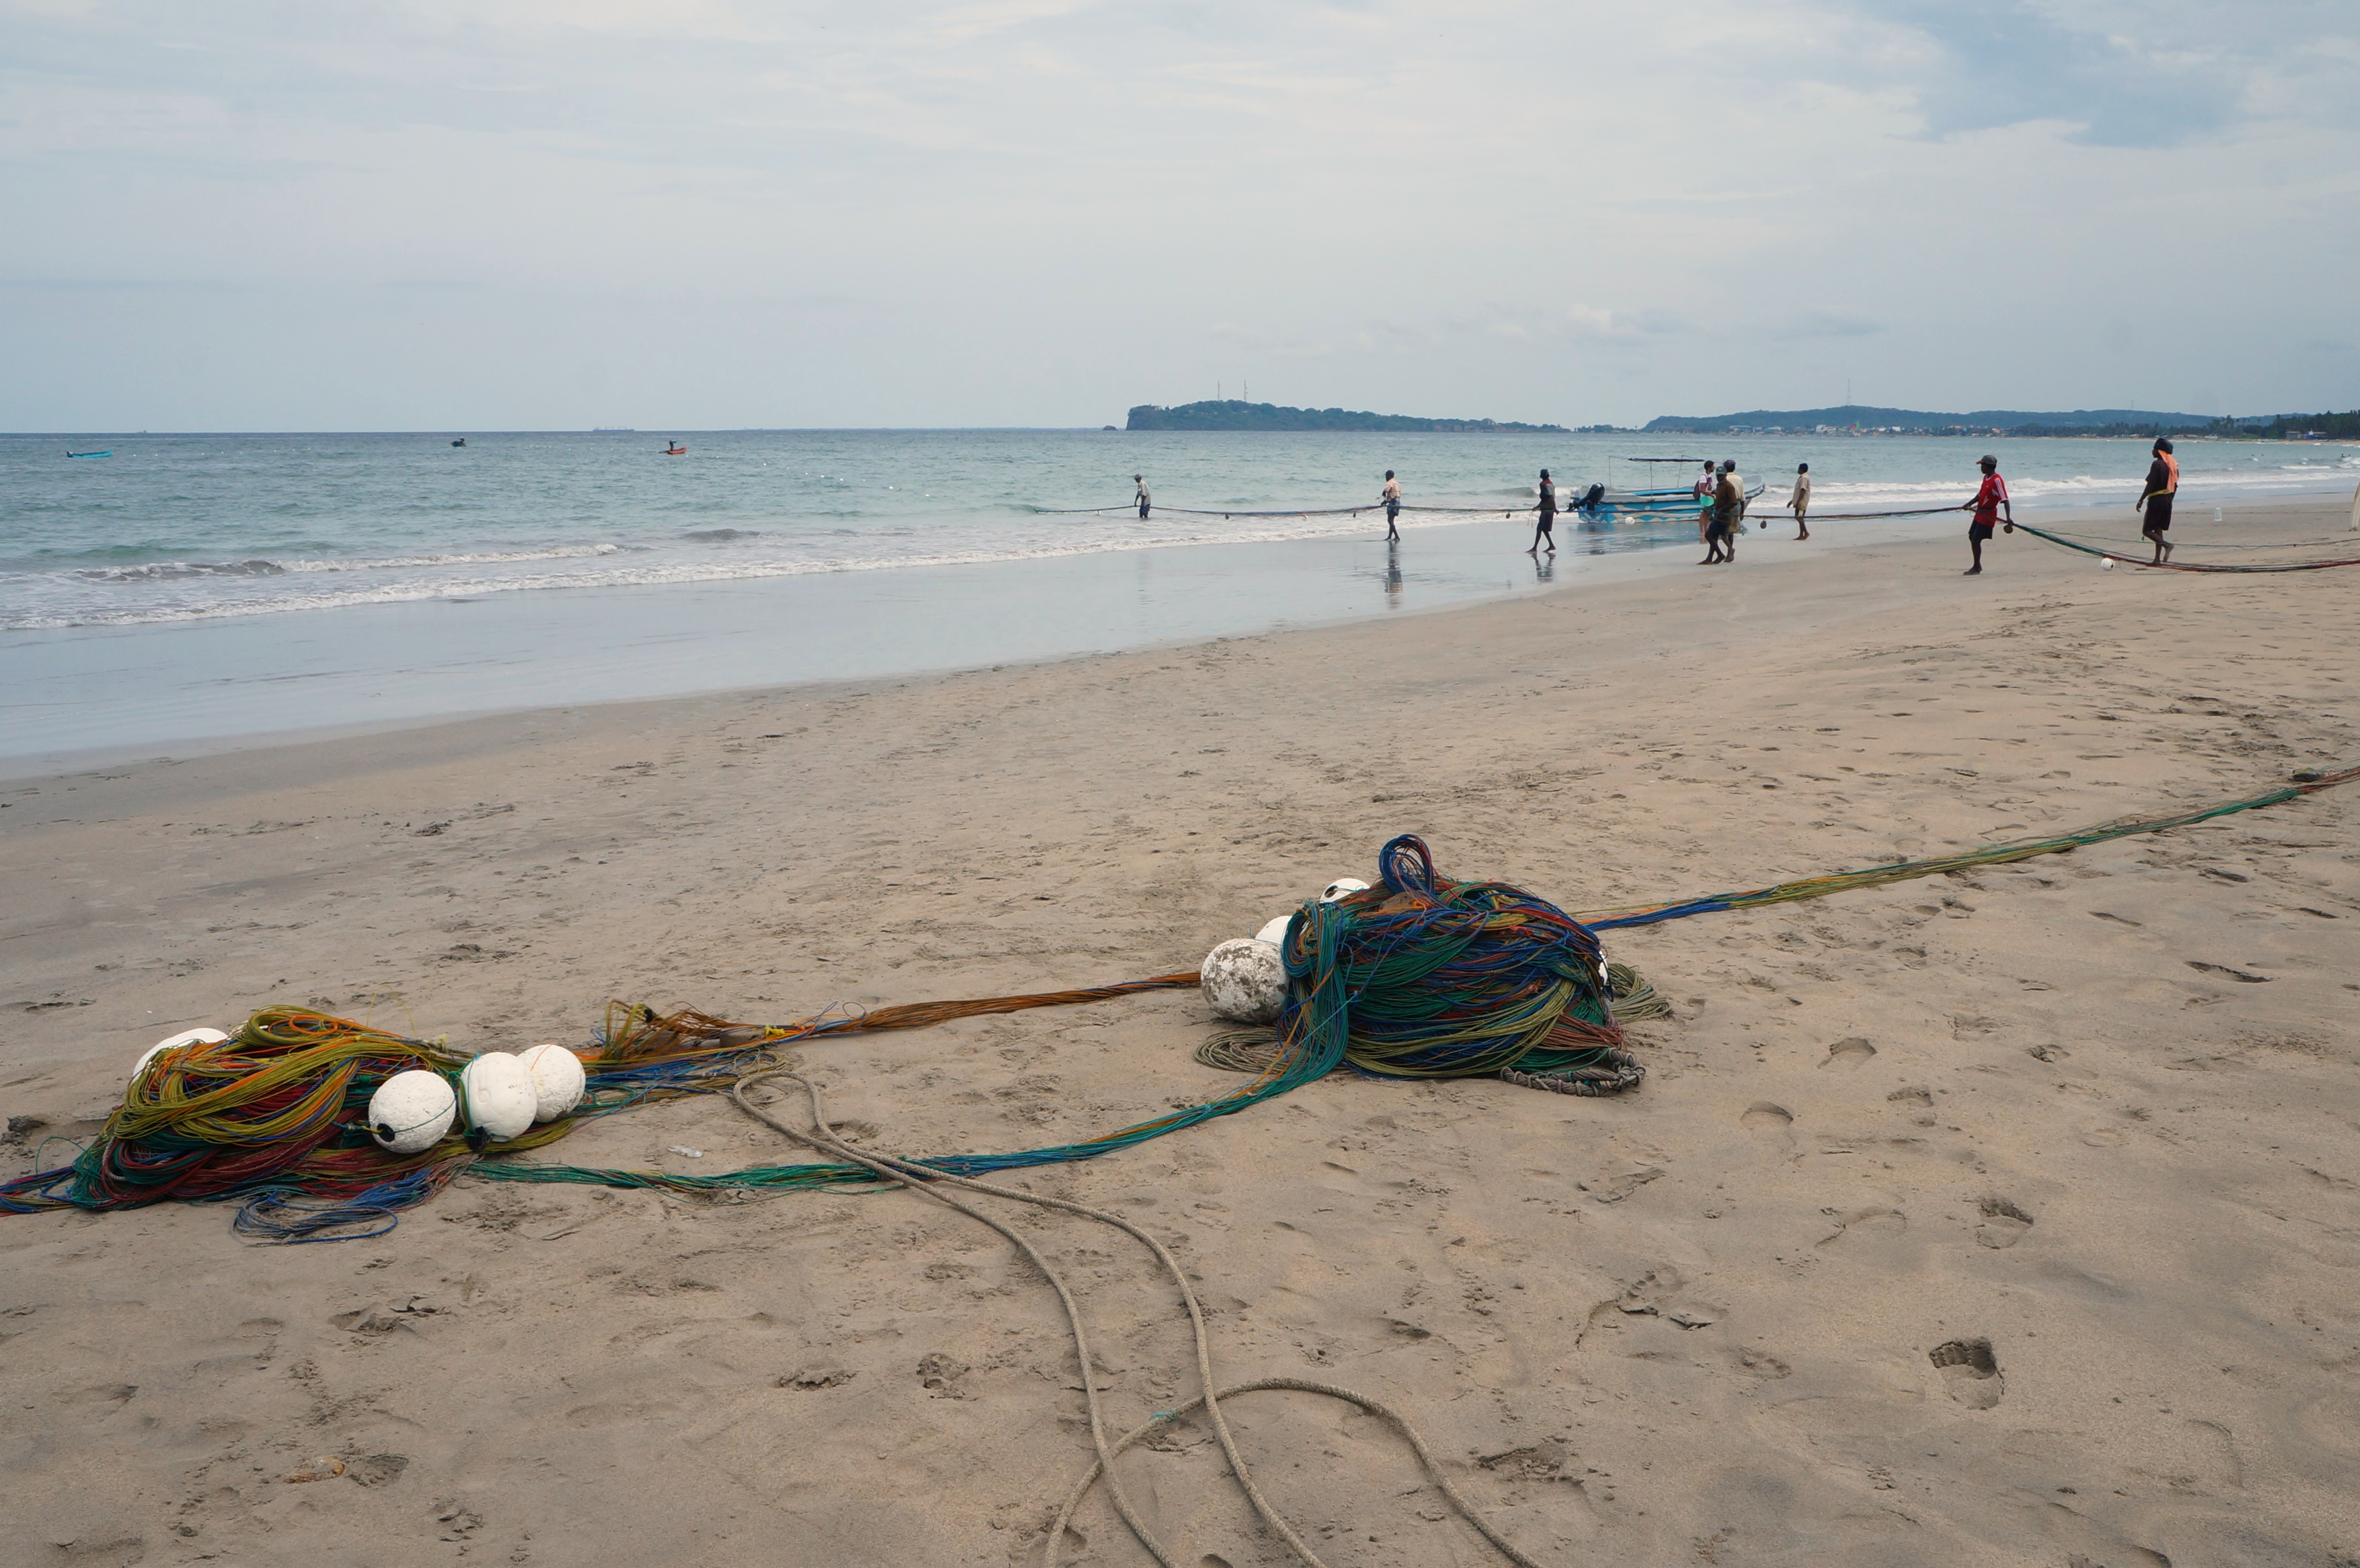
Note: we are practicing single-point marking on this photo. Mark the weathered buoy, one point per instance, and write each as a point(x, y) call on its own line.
point(1341, 887)
point(1274, 933)
point(411, 1111)
point(499, 1095)
point(1244, 981)
point(190, 1037)
point(557, 1080)
point(2105, 563)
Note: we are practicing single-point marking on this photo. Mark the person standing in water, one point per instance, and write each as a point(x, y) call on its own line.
point(1545, 529)
point(1140, 480)
point(2162, 486)
point(1986, 507)
point(1801, 500)
point(1393, 507)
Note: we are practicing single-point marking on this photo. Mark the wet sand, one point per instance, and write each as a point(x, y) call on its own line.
point(2006, 1217)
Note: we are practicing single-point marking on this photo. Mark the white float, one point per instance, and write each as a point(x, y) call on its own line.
point(1244, 981)
point(192, 1036)
point(499, 1095)
point(1274, 933)
point(1341, 887)
point(2105, 563)
point(557, 1080)
point(411, 1111)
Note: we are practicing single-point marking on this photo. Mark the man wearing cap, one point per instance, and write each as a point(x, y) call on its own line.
point(1986, 506)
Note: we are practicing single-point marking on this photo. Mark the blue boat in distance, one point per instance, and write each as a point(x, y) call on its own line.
point(108, 452)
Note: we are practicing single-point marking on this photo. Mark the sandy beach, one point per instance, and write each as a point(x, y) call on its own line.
point(2006, 1217)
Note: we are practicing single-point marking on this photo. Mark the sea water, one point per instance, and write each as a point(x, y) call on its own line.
point(194, 585)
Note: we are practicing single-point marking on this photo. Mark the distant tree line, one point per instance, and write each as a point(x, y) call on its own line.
point(1231, 414)
point(2277, 426)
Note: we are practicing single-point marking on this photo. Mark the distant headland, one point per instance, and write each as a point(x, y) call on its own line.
point(1232, 415)
point(1852, 416)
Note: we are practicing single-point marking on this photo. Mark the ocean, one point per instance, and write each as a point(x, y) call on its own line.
point(194, 586)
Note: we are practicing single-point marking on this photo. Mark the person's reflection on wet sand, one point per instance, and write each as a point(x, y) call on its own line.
point(1392, 575)
point(1544, 568)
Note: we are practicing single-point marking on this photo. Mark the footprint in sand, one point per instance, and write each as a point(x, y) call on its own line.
point(2004, 1224)
point(377, 1469)
point(1868, 1222)
point(1970, 1372)
point(1764, 1116)
point(1849, 1051)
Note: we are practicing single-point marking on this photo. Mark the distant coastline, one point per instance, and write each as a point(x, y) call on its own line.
point(1231, 414)
point(1855, 418)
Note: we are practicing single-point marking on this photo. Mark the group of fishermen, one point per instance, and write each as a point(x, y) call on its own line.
point(1721, 507)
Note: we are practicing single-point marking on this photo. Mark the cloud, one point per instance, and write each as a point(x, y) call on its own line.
point(2119, 75)
point(1817, 323)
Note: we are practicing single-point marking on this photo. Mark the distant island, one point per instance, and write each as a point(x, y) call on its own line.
point(1233, 415)
point(1852, 416)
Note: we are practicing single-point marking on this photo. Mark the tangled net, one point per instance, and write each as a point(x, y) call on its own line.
point(1437, 978)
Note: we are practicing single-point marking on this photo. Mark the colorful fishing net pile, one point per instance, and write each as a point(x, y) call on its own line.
point(1421, 977)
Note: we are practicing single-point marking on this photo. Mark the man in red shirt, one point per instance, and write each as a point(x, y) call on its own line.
point(1986, 506)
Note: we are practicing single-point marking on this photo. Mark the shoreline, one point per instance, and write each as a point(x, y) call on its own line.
point(86, 698)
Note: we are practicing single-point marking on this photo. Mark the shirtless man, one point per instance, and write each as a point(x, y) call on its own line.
point(1544, 527)
point(1393, 507)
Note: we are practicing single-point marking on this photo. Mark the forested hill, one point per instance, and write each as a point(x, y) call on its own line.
point(1232, 415)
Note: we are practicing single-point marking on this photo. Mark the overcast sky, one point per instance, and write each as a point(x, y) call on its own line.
point(559, 213)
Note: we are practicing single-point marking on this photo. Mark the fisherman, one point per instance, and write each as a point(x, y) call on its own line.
point(1393, 507)
point(1546, 528)
point(1800, 501)
point(1140, 480)
point(1727, 514)
point(1986, 507)
point(2162, 486)
point(1736, 484)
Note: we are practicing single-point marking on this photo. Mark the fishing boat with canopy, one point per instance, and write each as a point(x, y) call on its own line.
point(1652, 499)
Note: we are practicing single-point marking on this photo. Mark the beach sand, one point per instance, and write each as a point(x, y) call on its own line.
point(2090, 1118)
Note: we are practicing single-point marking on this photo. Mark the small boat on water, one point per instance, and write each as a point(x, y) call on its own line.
point(108, 452)
point(675, 450)
point(1658, 502)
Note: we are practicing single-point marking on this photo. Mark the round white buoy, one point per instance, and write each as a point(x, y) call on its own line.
point(499, 1095)
point(2105, 563)
point(1244, 981)
point(411, 1111)
point(1340, 886)
point(557, 1080)
point(190, 1037)
point(1274, 933)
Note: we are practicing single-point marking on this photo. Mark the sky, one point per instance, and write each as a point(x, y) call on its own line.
point(421, 214)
